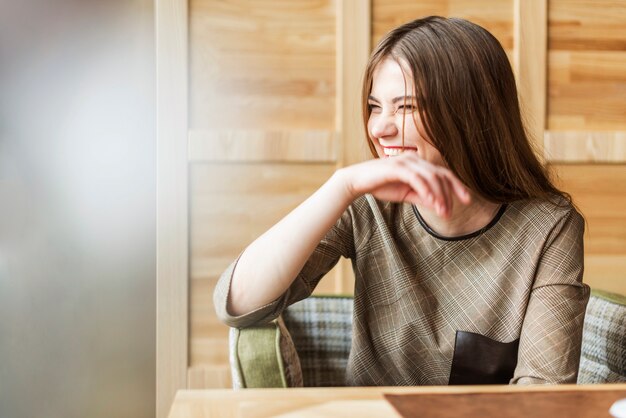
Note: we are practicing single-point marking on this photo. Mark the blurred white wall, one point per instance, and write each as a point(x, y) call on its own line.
point(77, 208)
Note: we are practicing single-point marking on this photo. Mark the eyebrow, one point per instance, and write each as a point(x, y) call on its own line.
point(394, 100)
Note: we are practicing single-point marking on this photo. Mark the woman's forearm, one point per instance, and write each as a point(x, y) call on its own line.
point(269, 265)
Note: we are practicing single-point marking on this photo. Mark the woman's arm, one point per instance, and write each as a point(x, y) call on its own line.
point(270, 264)
point(550, 342)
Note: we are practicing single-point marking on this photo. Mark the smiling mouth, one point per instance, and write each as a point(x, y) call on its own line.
point(394, 151)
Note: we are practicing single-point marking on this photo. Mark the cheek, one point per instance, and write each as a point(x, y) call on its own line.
point(370, 125)
point(411, 131)
point(433, 155)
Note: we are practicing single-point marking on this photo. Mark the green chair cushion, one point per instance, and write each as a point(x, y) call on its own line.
point(264, 356)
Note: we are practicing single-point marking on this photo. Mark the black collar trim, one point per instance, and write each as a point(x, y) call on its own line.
point(461, 237)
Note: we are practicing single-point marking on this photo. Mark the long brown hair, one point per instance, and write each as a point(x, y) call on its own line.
point(467, 99)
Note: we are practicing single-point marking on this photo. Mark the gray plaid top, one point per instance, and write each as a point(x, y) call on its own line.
point(518, 278)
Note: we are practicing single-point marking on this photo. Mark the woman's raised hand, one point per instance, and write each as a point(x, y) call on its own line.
point(406, 178)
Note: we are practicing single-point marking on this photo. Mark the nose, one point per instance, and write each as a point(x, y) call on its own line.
point(383, 125)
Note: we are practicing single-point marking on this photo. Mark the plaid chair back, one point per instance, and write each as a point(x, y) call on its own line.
point(603, 356)
point(321, 330)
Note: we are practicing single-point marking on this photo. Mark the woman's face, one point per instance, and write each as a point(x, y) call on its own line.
point(391, 102)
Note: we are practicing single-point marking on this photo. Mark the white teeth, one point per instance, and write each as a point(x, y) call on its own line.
point(392, 152)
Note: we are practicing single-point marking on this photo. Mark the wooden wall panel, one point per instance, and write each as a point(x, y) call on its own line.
point(587, 65)
point(596, 25)
point(586, 90)
point(262, 138)
point(494, 15)
point(231, 205)
point(258, 64)
point(271, 105)
point(600, 193)
point(585, 146)
point(529, 64)
point(263, 145)
point(586, 122)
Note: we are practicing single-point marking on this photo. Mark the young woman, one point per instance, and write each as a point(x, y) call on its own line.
point(468, 260)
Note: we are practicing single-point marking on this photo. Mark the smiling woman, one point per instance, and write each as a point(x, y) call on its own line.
point(463, 102)
point(468, 261)
point(393, 114)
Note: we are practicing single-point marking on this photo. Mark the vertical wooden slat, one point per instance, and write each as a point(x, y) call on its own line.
point(353, 49)
point(530, 22)
point(172, 201)
point(354, 22)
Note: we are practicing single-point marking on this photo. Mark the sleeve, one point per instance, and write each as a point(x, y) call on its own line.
point(337, 242)
point(551, 335)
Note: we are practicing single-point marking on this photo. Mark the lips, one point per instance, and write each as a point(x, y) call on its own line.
point(394, 151)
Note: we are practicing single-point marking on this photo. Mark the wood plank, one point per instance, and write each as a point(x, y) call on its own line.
point(204, 324)
point(353, 28)
point(262, 145)
point(493, 15)
point(231, 205)
point(604, 66)
point(262, 65)
point(606, 272)
point(353, 49)
point(599, 105)
point(209, 351)
point(242, 111)
point(585, 25)
point(530, 60)
point(172, 269)
point(600, 193)
point(389, 14)
point(581, 146)
point(587, 65)
point(207, 377)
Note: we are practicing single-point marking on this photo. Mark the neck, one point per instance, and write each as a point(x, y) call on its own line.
point(464, 219)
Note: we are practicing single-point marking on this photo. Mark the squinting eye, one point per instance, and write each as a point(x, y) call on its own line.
point(406, 108)
point(373, 108)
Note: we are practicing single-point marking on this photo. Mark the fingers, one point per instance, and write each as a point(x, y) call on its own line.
point(429, 187)
point(423, 190)
point(412, 197)
point(408, 178)
point(439, 198)
point(459, 188)
point(436, 185)
point(447, 187)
